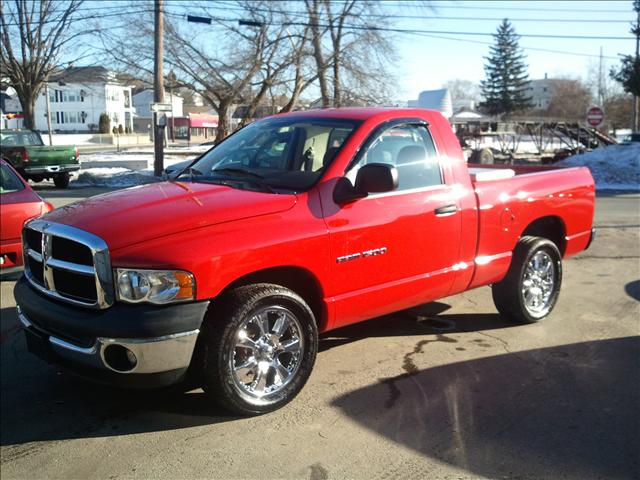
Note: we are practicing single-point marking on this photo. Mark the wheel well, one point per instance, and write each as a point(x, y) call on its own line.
point(299, 280)
point(551, 228)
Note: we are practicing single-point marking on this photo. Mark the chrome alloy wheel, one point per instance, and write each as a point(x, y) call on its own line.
point(538, 283)
point(267, 351)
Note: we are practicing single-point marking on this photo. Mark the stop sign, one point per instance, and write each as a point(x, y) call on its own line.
point(595, 116)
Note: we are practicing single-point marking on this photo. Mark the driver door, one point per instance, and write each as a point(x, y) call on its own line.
point(394, 250)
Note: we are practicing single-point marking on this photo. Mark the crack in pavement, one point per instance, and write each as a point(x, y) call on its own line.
point(410, 368)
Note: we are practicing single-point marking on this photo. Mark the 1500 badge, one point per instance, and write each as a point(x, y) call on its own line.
point(367, 253)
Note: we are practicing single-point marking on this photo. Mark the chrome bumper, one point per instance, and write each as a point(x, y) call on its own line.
point(152, 355)
point(52, 169)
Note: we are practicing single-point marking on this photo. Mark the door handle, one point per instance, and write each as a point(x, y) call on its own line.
point(446, 210)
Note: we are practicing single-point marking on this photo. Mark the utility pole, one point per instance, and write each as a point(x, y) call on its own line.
point(158, 87)
point(46, 94)
point(637, 32)
point(600, 93)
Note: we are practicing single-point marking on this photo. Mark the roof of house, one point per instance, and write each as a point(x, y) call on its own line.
point(94, 74)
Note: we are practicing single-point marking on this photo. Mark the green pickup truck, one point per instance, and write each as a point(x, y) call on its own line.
point(27, 153)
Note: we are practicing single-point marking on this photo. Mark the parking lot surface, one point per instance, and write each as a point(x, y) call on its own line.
point(447, 390)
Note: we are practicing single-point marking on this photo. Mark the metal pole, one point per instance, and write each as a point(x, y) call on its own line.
point(46, 94)
point(635, 97)
point(158, 87)
point(173, 124)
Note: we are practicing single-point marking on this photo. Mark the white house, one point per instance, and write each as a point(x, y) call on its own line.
point(142, 102)
point(439, 100)
point(79, 95)
point(543, 90)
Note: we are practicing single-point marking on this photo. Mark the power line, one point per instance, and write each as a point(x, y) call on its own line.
point(424, 33)
point(537, 49)
point(75, 19)
point(433, 17)
point(506, 7)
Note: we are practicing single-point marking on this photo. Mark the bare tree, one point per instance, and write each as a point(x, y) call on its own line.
point(571, 99)
point(463, 90)
point(351, 53)
point(242, 66)
point(33, 35)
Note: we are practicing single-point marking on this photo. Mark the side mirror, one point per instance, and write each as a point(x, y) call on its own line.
point(371, 178)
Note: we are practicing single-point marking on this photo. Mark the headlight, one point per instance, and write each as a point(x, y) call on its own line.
point(154, 286)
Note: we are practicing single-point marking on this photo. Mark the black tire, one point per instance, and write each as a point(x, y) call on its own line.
point(508, 295)
point(483, 157)
point(61, 180)
point(229, 322)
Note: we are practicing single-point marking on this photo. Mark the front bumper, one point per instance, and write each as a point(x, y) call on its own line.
point(52, 169)
point(134, 346)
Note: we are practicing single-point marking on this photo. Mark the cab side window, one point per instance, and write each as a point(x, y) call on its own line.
point(410, 149)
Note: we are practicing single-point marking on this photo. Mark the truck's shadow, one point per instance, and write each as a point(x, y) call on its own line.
point(532, 414)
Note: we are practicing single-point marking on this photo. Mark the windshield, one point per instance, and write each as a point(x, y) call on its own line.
point(273, 154)
point(19, 139)
point(9, 181)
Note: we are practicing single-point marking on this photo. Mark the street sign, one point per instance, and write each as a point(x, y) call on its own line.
point(160, 107)
point(595, 116)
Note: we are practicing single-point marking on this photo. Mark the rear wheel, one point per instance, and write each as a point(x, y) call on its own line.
point(483, 156)
point(61, 180)
point(530, 290)
point(258, 348)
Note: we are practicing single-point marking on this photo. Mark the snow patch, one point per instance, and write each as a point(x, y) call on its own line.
point(113, 177)
point(616, 167)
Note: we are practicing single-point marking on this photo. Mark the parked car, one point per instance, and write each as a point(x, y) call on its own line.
point(173, 170)
point(293, 226)
point(18, 203)
point(631, 138)
point(34, 160)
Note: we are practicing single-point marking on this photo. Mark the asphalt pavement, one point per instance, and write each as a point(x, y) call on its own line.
point(448, 390)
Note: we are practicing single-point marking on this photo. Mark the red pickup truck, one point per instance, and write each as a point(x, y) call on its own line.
point(293, 226)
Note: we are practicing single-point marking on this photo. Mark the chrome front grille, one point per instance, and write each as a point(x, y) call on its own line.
point(68, 264)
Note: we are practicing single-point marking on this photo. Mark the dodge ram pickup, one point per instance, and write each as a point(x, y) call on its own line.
point(293, 226)
point(27, 153)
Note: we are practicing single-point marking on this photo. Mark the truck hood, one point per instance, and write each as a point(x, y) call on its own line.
point(137, 214)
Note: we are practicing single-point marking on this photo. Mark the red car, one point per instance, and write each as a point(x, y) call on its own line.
point(18, 203)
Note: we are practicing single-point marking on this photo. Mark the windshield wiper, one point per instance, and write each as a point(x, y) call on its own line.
point(235, 172)
point(190, 170)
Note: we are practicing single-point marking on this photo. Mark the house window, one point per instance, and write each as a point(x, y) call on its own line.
point(69, 117)
point(55, 96)
point(71, 96)
point(113, 95)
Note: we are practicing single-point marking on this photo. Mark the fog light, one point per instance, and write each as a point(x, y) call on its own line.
point(120, 358)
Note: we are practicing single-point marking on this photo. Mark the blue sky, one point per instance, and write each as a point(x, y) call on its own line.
point(428, 62)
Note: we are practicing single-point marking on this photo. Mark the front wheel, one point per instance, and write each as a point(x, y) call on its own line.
point(258, 345)
point(531, 287)
point(61, 180)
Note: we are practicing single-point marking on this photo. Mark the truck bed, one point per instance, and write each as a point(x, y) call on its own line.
point(511, 199)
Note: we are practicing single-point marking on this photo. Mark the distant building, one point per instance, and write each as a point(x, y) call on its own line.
point(144, 116)
point(542, 91)
point(10, 110)
point(439, 100)
point(142, 102)
point(79, 95)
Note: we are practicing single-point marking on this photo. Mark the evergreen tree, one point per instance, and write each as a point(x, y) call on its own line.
point(104, 123)
point(507, 81)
